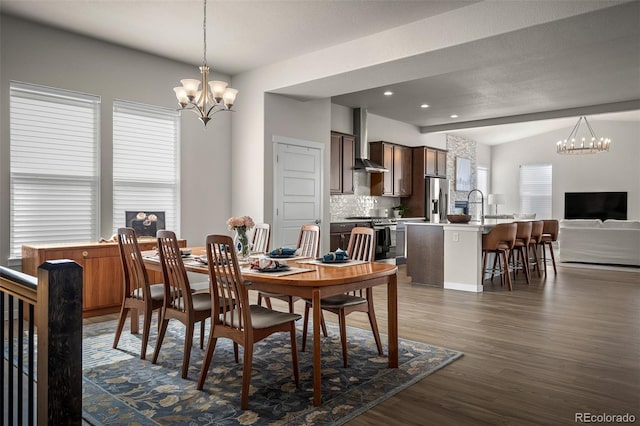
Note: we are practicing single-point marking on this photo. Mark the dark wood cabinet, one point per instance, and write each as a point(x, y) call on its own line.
point(435, 162)
point(342, 159)
point(340, 232)
point(396, 159)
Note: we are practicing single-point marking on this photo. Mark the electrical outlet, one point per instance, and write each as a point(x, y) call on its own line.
point(456, 237)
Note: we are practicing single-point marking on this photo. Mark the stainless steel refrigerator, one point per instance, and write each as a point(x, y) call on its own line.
point(436, 199)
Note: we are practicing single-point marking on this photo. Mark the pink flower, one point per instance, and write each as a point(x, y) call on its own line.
point(239, 222)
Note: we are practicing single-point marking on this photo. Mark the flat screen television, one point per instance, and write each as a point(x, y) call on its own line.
point(595, 205)
point(146, 224)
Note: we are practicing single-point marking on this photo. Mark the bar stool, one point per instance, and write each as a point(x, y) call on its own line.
point(499, 241)
point(536, 239)
point(521, 248)
point(549, 236)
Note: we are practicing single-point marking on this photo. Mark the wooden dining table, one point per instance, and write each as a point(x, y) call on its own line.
point(318, 282)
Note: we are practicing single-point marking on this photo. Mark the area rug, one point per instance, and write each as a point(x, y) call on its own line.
point(120, 388)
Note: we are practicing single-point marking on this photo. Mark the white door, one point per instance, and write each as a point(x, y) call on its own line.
point(297, 188)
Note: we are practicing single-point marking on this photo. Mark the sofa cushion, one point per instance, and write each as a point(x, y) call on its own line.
point(627, 224)
point(581, 223)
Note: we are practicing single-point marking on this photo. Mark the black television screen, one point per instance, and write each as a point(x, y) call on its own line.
point(146, 224)
point(595, 205)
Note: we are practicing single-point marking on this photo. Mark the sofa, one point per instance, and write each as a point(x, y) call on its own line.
point(613, 242)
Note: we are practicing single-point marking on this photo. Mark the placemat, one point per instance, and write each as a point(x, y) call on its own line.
point(338, 265)
point(290, 271)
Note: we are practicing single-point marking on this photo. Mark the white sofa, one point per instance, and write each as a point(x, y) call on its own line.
point(615, 242)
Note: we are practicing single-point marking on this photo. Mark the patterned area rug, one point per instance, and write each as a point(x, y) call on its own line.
point(120, 388)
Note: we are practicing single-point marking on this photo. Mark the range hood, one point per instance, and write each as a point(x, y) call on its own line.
point(362, 162)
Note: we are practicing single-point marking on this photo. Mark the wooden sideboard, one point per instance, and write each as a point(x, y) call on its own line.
point(102, 270)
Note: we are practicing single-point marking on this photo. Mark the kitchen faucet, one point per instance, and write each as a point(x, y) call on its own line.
point(475, 202)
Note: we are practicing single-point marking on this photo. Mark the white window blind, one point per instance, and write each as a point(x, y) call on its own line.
point(535, 190)
point(145, 161)
point(53, 166)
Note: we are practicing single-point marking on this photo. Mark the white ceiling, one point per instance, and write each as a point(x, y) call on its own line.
point(588, 60)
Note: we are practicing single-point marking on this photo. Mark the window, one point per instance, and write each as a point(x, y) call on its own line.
point(482, 183)
point(535, 189)
point(145, 161)
point(53, 166)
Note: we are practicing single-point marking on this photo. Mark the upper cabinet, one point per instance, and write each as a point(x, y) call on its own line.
point(435, 161)
point(342, 159)
point(396, 159)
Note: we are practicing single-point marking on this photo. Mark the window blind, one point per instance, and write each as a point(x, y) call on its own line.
point(535, 189)
point(53, 166)
point(145, 161)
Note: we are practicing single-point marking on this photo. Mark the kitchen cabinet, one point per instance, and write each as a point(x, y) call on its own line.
point(101, 270)
point(340, 232)
point(435, 162)
point(342, 159)
point(397, 159)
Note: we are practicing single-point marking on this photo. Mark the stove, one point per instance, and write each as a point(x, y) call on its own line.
point(375, 221)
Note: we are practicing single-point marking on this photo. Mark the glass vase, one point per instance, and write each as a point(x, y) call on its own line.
point(241, 243)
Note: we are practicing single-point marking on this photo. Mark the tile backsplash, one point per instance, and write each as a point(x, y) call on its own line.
point(360, 203)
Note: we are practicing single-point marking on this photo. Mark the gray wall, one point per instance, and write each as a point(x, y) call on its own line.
point(42, 55)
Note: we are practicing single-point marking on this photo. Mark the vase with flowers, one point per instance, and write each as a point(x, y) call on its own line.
point(241, 224)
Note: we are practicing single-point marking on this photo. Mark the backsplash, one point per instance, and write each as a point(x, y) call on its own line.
point(360, 203)
point(461, 147)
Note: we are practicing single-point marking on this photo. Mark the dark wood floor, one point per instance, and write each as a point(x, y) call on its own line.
point(537, 355)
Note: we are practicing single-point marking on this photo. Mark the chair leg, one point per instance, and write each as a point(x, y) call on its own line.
point(374, 326)
point(204, 370)
point(495, 263)
point(544, 257)
point(535, 259)
point(259, 299)
point(506, 274)
point(235, 352)
point(146, 325)
point(305, 326)
point(342, 319)
point(246, 375)
point(267, 300)
point(159, 318)
point(521, 251)
point(121, 321)
point(323, 326)
point(553, 258)
point(202, 333)
point(161, 333)
point(484, 266)
point(290, 299)
point(294, 354)
point(188, 342)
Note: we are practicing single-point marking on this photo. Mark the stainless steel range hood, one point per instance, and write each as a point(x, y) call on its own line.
point(362, 162)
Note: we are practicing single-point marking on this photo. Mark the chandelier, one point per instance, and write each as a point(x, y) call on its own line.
point(592, 146)
point(214, 96)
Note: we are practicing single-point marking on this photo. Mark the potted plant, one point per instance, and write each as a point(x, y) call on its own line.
point(400, 210)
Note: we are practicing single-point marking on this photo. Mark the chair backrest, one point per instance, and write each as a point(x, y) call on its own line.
point(503, 235)
point(177, 291)
point(309, 240)
point(226, 284)
point(136, 279)
point(551, 227)
point(362, 244)
point(523, 232)
point(260, 239)
point(536, 230)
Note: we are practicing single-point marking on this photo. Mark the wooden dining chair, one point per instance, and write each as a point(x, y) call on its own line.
point(260, 238)
point(138, 295)
point(362, 246)
point(244, 324)
point(180, 302)
point(309, 246)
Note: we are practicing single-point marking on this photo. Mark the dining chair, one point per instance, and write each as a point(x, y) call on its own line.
point(308, 246)
point(260, 238)
point(241, 322)
point(180, 302)
point(519, 256)
point(549, 236)
point(362, 245)
point(499, 241)
point(138, 294)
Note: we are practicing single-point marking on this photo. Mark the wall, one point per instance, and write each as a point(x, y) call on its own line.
point(42, 55)
point(308, 121)
point(617, 170)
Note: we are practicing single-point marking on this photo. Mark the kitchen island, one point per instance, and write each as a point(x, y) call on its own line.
point(447, 255)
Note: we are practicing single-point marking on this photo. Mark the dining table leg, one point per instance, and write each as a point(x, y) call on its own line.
point(392, 307)
point(317, 374)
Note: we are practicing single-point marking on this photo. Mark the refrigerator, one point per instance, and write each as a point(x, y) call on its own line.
point(436, 199)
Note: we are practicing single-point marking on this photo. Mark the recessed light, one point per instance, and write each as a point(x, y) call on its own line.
point(454, 115)
point(388, 93)
point(424, 106)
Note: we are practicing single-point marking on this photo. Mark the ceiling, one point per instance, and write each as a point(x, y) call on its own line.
point(538, 73)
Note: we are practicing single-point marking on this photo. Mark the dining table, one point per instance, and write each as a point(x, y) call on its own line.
point(313, 280)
